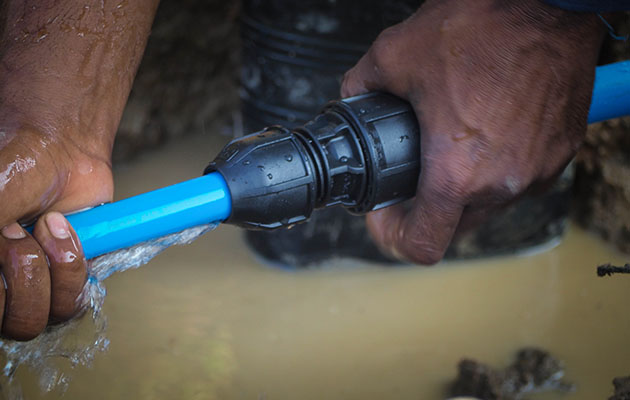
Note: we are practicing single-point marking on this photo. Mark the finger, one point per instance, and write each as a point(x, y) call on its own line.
point(361, 78)
point(423, 233)
point(68, 270)
point(384, 226)
point(25, 270)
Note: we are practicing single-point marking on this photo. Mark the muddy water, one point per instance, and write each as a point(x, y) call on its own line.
point(207, 321)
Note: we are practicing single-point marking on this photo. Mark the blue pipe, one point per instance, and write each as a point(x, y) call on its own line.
point(611, 92)
point(167, 210)
point(207, 199)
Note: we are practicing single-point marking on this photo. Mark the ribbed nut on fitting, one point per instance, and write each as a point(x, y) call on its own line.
point(361, 153)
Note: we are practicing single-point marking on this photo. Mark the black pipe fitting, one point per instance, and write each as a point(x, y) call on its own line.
point(361, 153)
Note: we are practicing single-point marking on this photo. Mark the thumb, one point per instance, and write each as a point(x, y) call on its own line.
point(422, 233)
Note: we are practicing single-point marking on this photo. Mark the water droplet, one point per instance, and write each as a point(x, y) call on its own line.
point(403, 138)
point(361, 110)
point(41, 35)
point(343, 159)
point(261, 167)
point(246, 162)
point(288, 157)
point(270, 176)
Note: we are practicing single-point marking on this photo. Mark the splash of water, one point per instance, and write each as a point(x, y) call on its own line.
point(79, 340)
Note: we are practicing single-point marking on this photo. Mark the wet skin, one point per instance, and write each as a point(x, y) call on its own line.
point(501, 90)
point(66, 69)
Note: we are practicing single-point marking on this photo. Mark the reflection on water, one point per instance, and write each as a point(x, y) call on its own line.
point(206, 321)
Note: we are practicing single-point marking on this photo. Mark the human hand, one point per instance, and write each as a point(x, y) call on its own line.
point(501, 90)
point(66, 69)
point(44, 175)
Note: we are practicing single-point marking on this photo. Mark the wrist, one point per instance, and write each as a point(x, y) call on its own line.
point(584, 27)
point(57, 111)
point(42, 126)
point(560, 36)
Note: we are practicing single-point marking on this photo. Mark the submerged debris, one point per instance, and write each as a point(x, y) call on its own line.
point(608, 270)
point(533, 371)
point(622, 388)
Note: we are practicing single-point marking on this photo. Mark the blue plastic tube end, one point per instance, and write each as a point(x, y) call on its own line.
point(154, 214)
point(611, 92)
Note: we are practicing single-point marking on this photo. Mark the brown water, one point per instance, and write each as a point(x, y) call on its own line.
point(207, 321)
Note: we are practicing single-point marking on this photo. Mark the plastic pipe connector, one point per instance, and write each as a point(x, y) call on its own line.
point(361, 153)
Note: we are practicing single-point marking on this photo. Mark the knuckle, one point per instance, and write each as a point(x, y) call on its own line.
point(452, 186)
point(514, 184)
point(500, 191)
point(384, 52)
point(459, 189)
point(27, 280)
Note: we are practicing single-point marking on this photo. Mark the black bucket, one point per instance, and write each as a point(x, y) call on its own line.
point(294, 57)
point(295, 53)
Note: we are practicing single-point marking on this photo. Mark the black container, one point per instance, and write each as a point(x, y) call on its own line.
point(294, 57)
point(295, 53)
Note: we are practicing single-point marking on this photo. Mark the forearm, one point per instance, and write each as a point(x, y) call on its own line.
point(70, 65)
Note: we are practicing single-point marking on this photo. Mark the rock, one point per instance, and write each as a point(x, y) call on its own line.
point(533, 371)
point(622, 388)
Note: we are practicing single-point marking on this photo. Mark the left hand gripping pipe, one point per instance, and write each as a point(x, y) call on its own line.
point(360, 153)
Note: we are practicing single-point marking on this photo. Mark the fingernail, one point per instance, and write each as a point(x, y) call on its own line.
point(13, 231)
point(57, 225)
